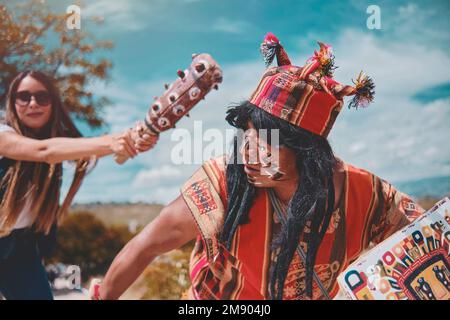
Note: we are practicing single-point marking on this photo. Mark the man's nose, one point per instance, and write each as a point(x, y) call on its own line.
point(249, 151)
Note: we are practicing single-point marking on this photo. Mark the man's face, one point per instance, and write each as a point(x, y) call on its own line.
point(266, 166)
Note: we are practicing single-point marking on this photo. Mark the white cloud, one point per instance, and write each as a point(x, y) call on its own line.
point(157, 175)
point(117, 15)
point(231, 26)
point(158, 194)
point(407, 10)
point(401, 68)
point(357, 148)
point(396, 130)
point(421, 22)
point(137, 15)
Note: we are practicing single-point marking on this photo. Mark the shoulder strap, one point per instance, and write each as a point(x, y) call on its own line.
point(277, 206)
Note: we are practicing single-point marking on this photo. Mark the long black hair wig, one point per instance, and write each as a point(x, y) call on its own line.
point(312, 201)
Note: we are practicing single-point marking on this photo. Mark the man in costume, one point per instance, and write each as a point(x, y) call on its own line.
point(279, 227)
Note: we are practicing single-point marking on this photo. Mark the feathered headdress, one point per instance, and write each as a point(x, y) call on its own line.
point(307, 96)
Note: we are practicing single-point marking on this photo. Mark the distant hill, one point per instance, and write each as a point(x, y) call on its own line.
point(437, 187)
point(121, 213)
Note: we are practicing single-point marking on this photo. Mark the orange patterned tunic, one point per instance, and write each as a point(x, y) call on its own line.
point(370, 210)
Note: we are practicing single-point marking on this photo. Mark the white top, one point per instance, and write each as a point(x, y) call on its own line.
point(24, 219)
point(5, 128)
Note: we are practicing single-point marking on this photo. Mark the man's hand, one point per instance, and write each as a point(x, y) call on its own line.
point(142, 140)
point(94, 289)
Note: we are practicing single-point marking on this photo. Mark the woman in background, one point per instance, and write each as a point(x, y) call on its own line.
point(37, 137)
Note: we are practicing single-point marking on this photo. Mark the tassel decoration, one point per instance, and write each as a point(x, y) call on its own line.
point(271, 48)
point(364, 91)
point(325, 57)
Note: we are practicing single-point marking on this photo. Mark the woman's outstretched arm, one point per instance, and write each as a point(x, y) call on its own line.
point(56, 150)
point(174, 227)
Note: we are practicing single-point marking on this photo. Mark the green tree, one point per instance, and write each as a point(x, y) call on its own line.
point(86, 241)
point(26, 32)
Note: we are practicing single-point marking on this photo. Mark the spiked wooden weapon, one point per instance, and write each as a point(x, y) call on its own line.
point(192, 85)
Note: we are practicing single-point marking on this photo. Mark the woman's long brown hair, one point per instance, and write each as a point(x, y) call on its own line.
point(38, 182)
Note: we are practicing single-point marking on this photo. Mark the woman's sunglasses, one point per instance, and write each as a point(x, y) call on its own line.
point(23, 98)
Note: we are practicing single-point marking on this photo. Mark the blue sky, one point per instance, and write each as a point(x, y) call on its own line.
point(403, 136)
